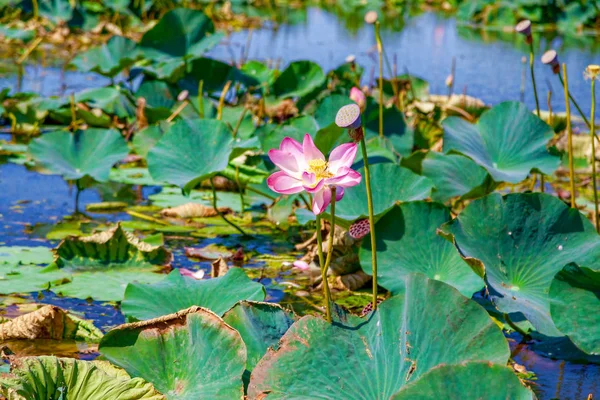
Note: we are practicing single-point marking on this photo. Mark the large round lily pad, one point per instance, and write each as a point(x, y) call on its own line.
point(92, 152)
point(575, 294)
point(69, 379)
point(190, 152)
point(261, 325)
point(427, 325)
point(390, 184)
point(508, 141)
point(109, 59)
point(454, 175)
point(177, 292)
point(191, 354)
point(520, 242)
point(456, 382)
point(407, 242)
point(299, 79)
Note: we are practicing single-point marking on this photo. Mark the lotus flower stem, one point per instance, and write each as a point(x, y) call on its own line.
point(77, 194)
point(564, 83)
point(201, 98)
point(240, 188)
point(322, 263)
point(239, 122)
point(260, 192)
point(570, 135)
point(592, 134)
point(537, 101)
point(363, 147)
point(222, 100)
point(35, 9)
point(177, 111)
point(380, 52)
point(30, 49)
point(214, 201)
point(515, 327)
point(306, 202)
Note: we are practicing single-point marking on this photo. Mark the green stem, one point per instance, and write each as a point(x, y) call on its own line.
point(77, 194)
point(363, 147)
point(322, 264)
point(380, 52)
point(570, 135)
point(268, 196)
point(214, 201)
point(563, 82)
point(515, 328)
point(201, 98)
point(592, 134)
point(306, 203)
point(537, 101)
point(241, 190)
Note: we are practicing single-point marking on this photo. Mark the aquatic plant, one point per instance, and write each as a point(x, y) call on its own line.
point(304, 168)
point(592, 72)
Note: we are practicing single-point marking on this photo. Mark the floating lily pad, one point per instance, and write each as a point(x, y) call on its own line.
point(66, 378)
point(456, 382)
point(397, 135)
point(508, 141)
point(407, 242)
point(100, 266)
point(109, 59)
point(26, 278)
point(190, 152)
point(390, 184)
point(25, 255)
point(261, 325)
point(191, 355)
point(299, 79)
point(454, 175)
point(180, 33)
point(177, 292)
point(91, 153)
point(575, 294)
point(428, 325)
point(520, 242)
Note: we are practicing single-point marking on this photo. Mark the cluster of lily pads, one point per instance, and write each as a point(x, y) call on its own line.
point(464, 246)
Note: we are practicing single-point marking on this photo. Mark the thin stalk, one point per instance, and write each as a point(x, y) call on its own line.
point(563, 82)
point(35, 9)
point(363, 147)
point(214, 201)
point(268, 196)
point(592, 134)
point(326, 292)
point(515, 327)
point(77, 194)
point(537, 101)
point(239, 122)
point(222, 100)
point(380, 52)
point(241, 190)
point(306, 203)
point(29, 50)
point(177, 111)
point(570, 133)
point(201, 98)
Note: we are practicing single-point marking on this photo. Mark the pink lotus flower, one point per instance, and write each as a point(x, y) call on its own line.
point(304, 168)
point(357, 96)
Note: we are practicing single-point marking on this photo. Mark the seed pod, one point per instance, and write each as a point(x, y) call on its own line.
point(551, 58)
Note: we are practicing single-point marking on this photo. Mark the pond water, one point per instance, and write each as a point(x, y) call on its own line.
point(489, 69)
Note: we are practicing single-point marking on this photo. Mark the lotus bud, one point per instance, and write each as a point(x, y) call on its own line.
point(524, 28)
point(97, 112)
point(357, 96)
point(371, 17)
point(301, 265)
point(348, 117)
point(551, 58)
point(449, 80)
point(592, 72)
point(183, 95)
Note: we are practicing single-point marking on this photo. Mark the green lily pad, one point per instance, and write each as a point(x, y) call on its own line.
point(109, 59)
point(180, 33)
point(390, 184)
point(397, 135)
point(295, 128)
point(177, 292)
point(427, 325)
point(508, 141)
point(575, 295)
point(494, 382)
point(26, 278)
point(25, 255)
point(520, 242)
point(91, 153)
point(100, 266)
point(407, 242)
point(261, 325)
point(66, 378)
point(299, 79)
point(455, 176)
point(190, 152)
point(111, 100)
point(214, 74)
point(191, 355)
point(133, 176)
